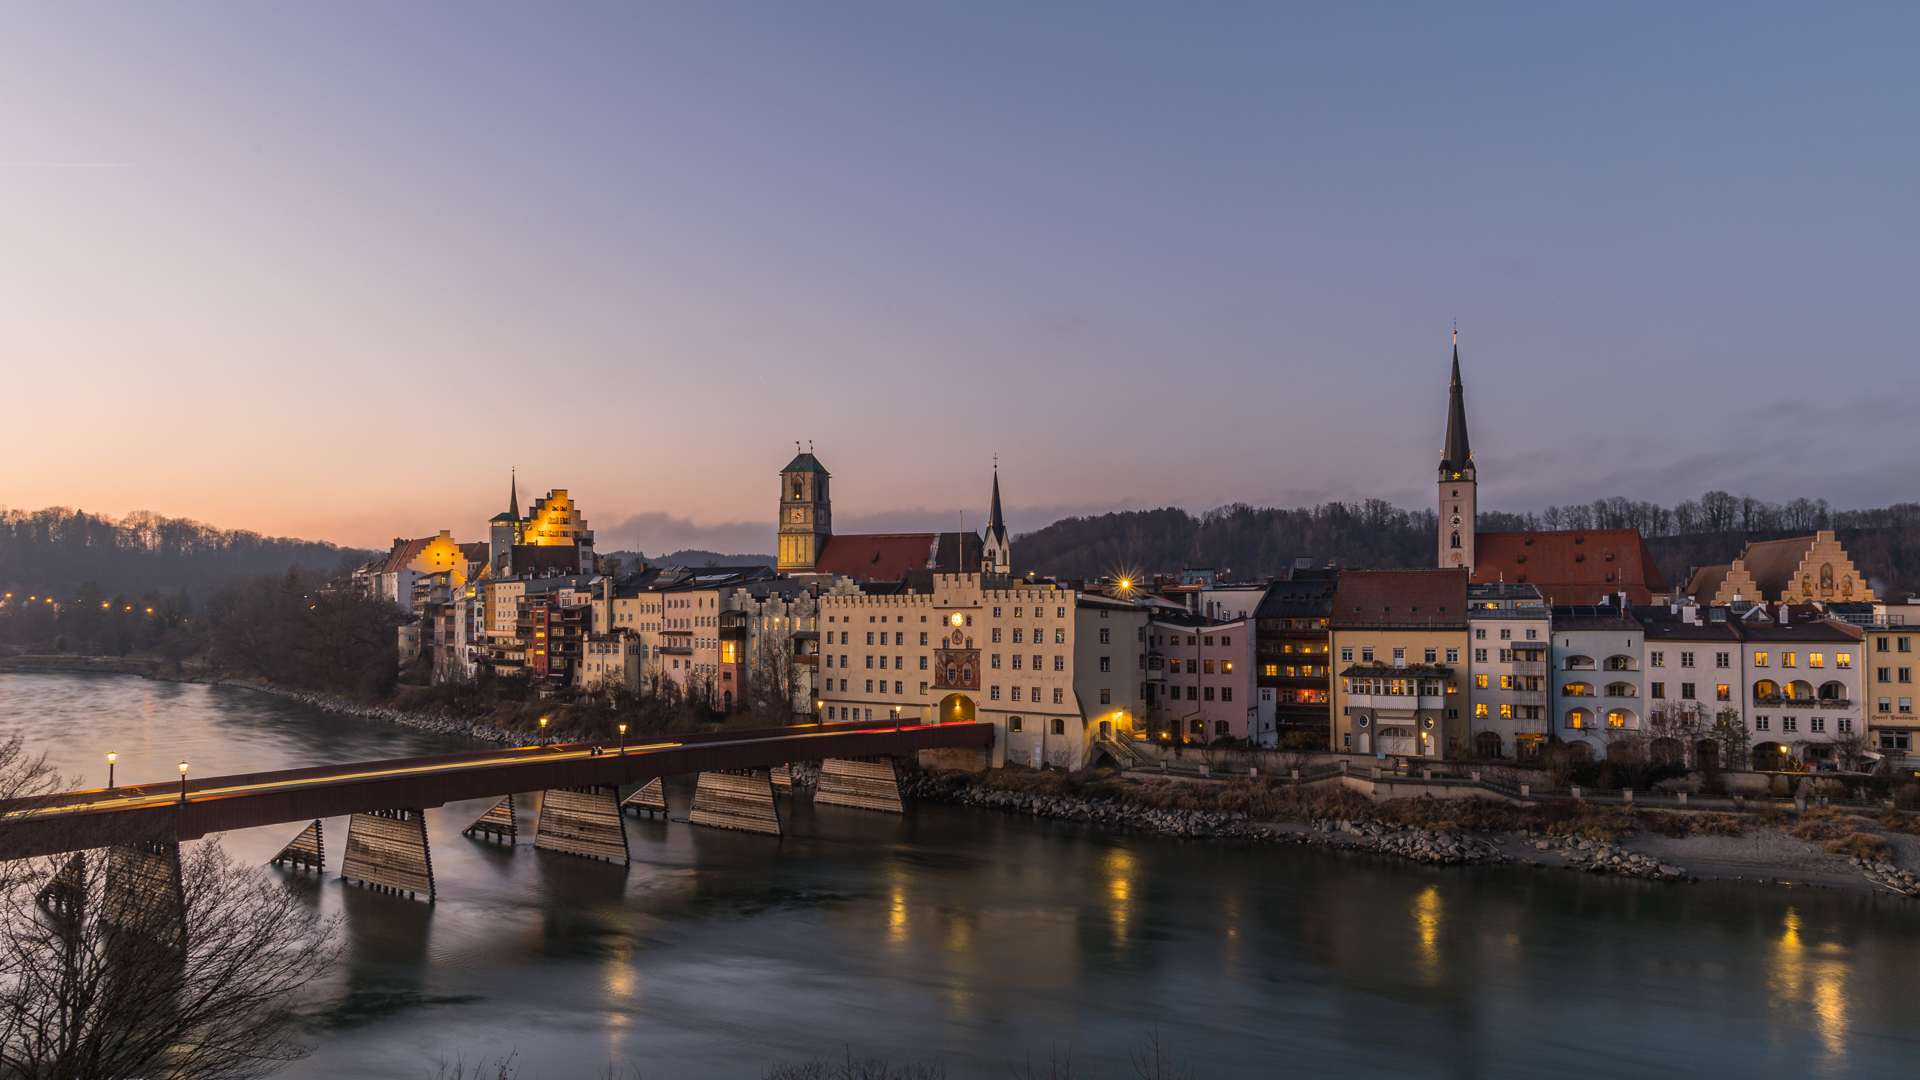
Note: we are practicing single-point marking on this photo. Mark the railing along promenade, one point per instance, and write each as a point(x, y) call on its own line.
point(170, 812)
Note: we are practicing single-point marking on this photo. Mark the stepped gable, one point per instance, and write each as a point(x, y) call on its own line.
point(1574, 566)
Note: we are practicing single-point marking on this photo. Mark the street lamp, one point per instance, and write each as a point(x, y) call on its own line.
point(896, 718)
point(183, 781)
point(111, 758)
point(623, 738)
point(543, 731)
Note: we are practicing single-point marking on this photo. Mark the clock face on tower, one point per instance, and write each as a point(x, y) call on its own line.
point(797, 514)
point(1454, 520)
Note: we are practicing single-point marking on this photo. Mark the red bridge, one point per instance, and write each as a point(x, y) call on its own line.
point(396, 792)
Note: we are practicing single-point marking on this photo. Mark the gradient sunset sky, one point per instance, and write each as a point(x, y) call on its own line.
point(332, 270)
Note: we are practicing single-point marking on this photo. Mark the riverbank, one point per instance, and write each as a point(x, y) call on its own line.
point(1794, 852)
point(438, 725)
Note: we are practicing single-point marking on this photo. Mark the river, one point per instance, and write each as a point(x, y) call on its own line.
point(979, 939)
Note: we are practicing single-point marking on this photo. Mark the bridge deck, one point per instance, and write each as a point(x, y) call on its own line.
point(79, 820)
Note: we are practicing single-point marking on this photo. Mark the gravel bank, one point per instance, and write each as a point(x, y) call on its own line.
point(439, 725)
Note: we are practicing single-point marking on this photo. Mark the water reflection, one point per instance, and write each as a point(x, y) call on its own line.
point(978, 937)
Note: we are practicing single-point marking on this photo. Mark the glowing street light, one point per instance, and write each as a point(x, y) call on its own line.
point(111, 758)
point(623, 738)
point(183, 781)
point(543, 731)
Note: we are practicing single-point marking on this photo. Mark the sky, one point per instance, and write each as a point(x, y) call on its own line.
point(334, 271)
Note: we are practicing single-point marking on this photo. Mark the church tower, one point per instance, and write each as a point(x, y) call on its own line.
point(806, 514)
point(996, 553)
point(1458, 495)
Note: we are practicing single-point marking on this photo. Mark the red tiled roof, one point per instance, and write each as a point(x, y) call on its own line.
point(876, 556)
point(1772, 563)
point(1435, 598)
point(1572, 566)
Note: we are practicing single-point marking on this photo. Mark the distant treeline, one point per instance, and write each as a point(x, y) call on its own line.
point(1256, 543)
point(56, 551)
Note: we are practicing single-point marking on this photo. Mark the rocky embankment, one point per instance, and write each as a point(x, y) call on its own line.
point(1888, 876)
point(1437, 847)
point(438, 725)
point(1600, 857)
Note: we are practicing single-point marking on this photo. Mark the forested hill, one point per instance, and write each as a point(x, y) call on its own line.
point(56, 550)
point(1255, 543)
point(1251, 542)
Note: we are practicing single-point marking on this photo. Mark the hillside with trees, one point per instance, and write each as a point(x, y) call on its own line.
point(1254, 543)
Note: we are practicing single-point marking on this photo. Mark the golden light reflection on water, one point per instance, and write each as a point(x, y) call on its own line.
point(1426, 920)
point(1811, 977)
point(1120, 869)
point(897, 918)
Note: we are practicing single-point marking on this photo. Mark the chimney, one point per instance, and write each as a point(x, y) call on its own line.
point(1785, 615)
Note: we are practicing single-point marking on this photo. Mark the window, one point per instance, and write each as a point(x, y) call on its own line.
point(1686, 659)
point(1906, 644)
point(1786, 659)
point(1789, 723)
point(923, 688)
point(1906, 704)
point(1480, 710)
point(1366, 654)
point(1106, 663)
point(1226, 693)
point(1815, 659)
point(1506, 656)
point(923, 663)
point(1886, 704)
point(996, 613)
point(1037, 659)
point(1057, 692)
point(993, 661)
point(1882, 674)
point(1059, 613)
point(1059, 635)
point(1013, 723)
point(1104, 639)
point(1723, 692)
point(1506, 682)
point(1843, 660)
point(1506, 712)
point(1880, 644)
point(1816, 723)
point(1686, 691)
point(1220, 727)
point(1207, 666)
point(1059, 663)
point(1400, 655)
point(1658, 659)
point(996, 635)
point(1017, 632)
point(1432, 655)
point(869, 637)
point(1480, 634)
point(1759, 659)
point(1060, 726)
point(1106, 696)
point(1016, 661)
point(1271, 671)
point(1906, 674)
point(869, 686)
point(1761, 723)
point(1721, 660)
point(1506, 635)
point(1480, 682)
point(1346, 654)
point(993, 693)
point(1014, 692)
point(869, 659)
point(1533, 635)
point(1480, 656)
point(1207, 694)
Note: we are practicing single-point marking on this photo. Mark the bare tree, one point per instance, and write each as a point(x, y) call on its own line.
point(114, 964)
point(773, 681)
point(1849, 750)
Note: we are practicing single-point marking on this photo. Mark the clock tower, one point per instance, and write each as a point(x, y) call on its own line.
point(1458, 498)
point(806, 513)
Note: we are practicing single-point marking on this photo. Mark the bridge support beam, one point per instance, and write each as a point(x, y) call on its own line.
point(869, 784)
point(144, 906)
point(498, 823)
point(648, 798)
point(307, 852)
point(742, 801)
point(387, 851)
point(582, 821)
point(65, 896)
point(782, 776)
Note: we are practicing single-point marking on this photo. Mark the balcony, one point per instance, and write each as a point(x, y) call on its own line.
point(1836, 703)
point(1568, 691)
point(1530, 667)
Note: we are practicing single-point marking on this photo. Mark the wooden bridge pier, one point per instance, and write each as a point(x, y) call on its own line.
point(65, 895)
point(649, 798)
point(582, 821)
point(740, 800)
point(307, 852)
point(387, 851)
point(864, 783)
point(498, 823)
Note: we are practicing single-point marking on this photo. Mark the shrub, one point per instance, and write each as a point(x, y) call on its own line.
point(1577, 819)
point(1427, 812)
point(1696, 823)
point(1861, 846)
point(1817, 825)
point(1708, 823)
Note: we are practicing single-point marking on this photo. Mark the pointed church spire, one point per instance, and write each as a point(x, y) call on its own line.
point(1457, 455)
point(996, 553)
point(993, 512)
point(513, 494)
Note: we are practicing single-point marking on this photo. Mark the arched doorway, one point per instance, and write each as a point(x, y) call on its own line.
point(1668, 751)
point(956, 709)
point(1486, 744)
point(1706, 754)
point(1771, 756)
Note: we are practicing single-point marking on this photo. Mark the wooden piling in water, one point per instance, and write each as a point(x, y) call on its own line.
point(742, 801)
point(582, 821)
point(868, 784)
point(498, 823)
point(307, 852)
point(648, 798)
point(387, 852)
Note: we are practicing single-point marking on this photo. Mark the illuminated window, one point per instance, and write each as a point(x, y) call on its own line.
point(1480, 710)
point(1057, 692)
point(1759, 659)
point(1270, 670)
point(1815, 660)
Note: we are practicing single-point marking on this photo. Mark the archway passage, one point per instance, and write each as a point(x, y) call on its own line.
point(1706, 754)
point(1667, 751)
point(1486, 744)
point(956, 709)
point(1771, 756)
